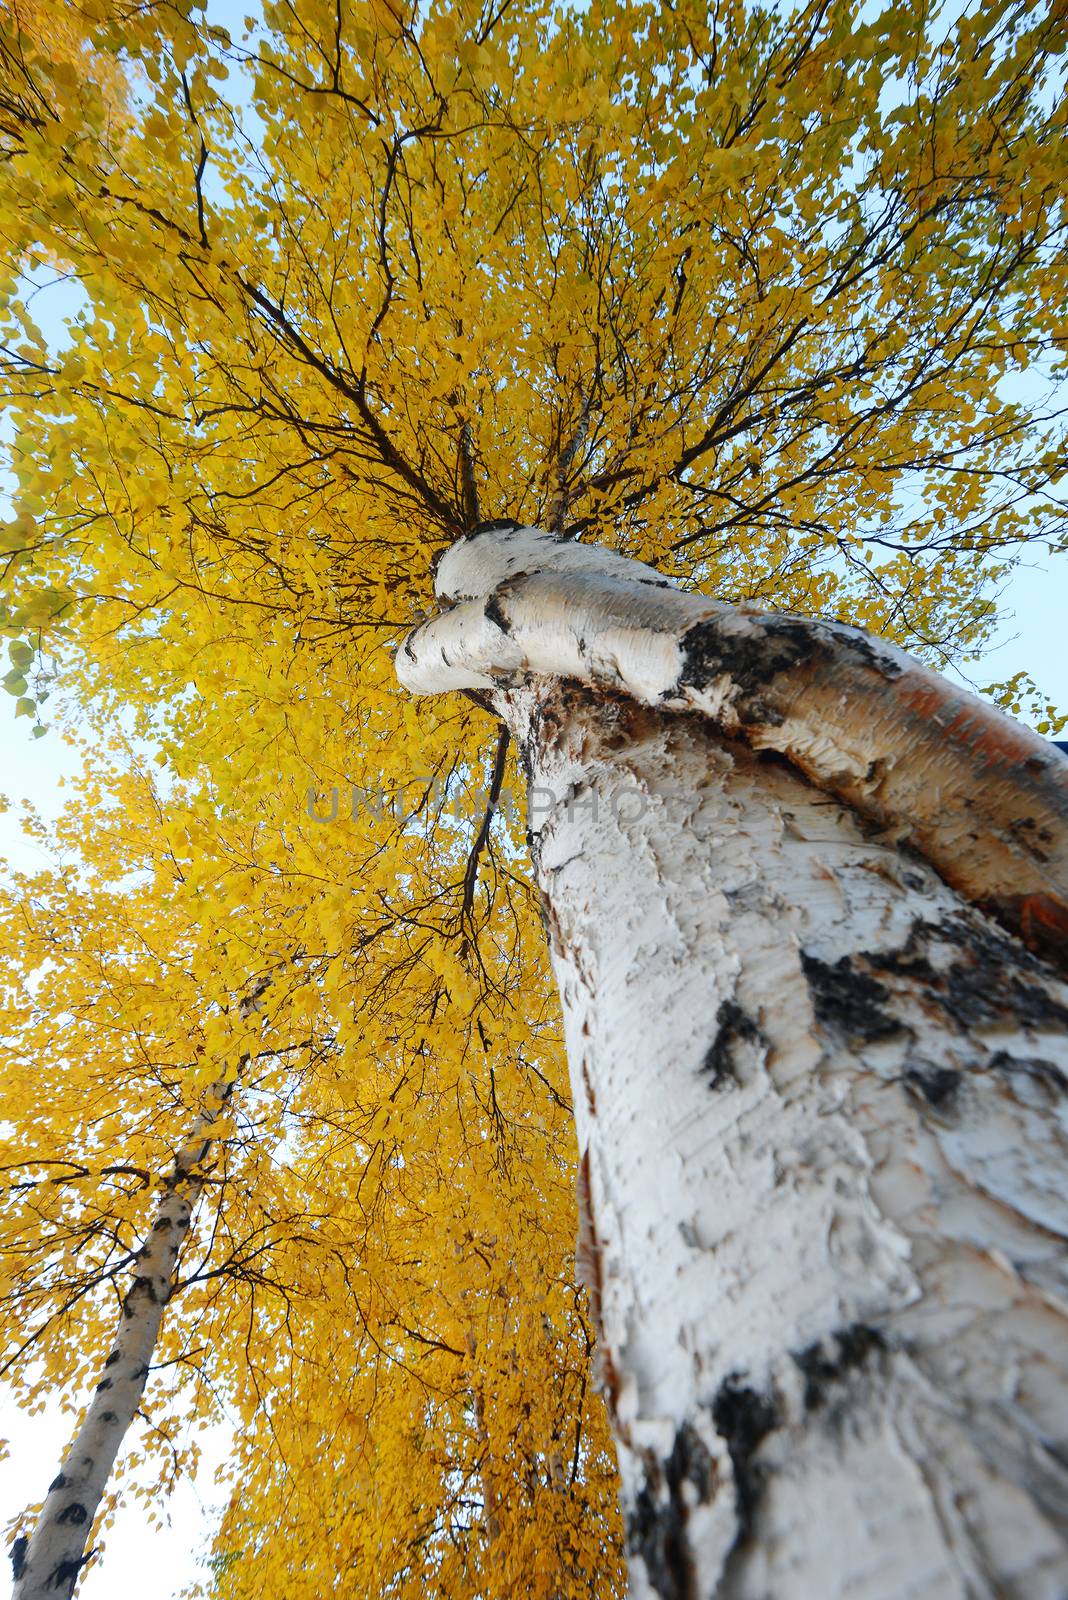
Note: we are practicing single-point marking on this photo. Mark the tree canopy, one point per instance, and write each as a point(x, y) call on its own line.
point(771, 299)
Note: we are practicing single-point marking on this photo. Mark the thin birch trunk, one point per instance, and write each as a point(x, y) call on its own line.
point(491, 1521)
point(821, 1095)
point(51, 1562)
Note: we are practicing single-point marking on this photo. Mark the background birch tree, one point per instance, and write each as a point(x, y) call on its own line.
point(745, 294)
point(374, 1290)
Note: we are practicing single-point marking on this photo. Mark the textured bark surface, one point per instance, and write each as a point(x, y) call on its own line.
point(49, 1566)
point(983, 798)
point(822, 1106)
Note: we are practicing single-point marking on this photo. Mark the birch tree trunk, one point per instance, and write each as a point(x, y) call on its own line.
point(47, 1566)
point(806, 909)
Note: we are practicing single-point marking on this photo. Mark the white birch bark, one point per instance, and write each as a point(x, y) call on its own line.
point(821, 1095)
point(49, 1566)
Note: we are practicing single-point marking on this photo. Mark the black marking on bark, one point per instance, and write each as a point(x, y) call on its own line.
point(75, 1514)
point(984, 987)
point(909, 962)
point(750, 896)
point(1031, 836)
point(494, 612)
point(744, 1418)
point(987, 982)
point(733, 1027)
point(529, 746)
point(148, 1287)
point(105, 1383)
point(656, 1528)
point(546, 721)
point(494, 525)
point(937, 1085)
point(828, 1363)
point(750, 657)
point(864, 649)
point(112, 1358)
point(66, 1573)
point(691, 1462)
point(18, 1556)
point(652, 1535)
point(848, 1000)
point(525, 748)
point(58, 1482)
point(777, 759)
point(567, 802)
point(1047, 1072)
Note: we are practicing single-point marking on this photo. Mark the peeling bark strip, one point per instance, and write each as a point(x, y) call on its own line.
point(981, 797)
point(822, 1099)
point(47, 1566)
